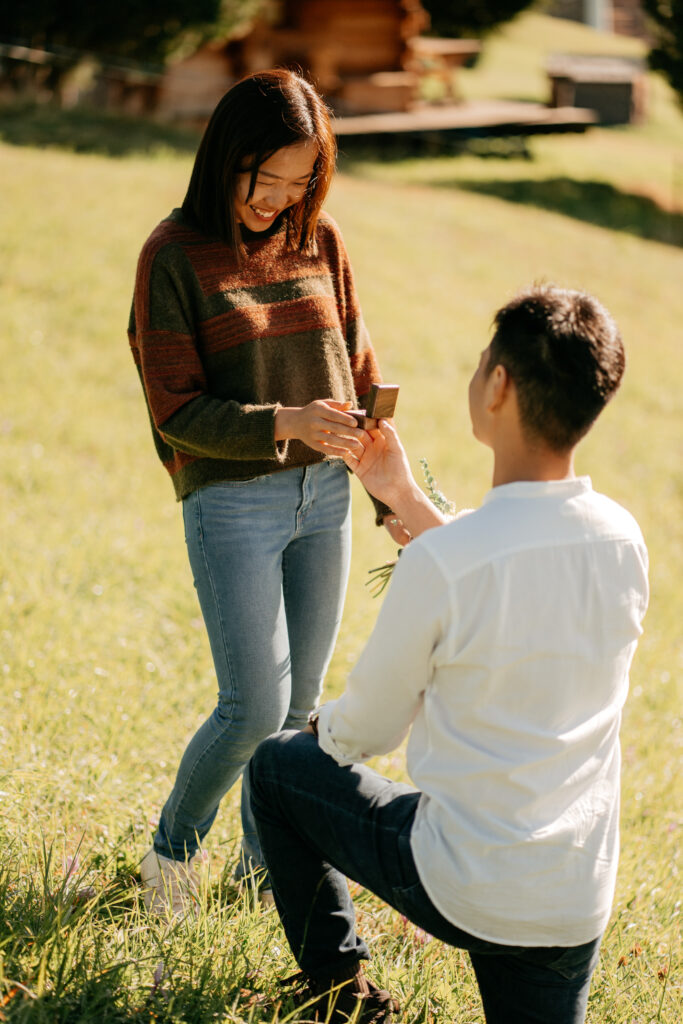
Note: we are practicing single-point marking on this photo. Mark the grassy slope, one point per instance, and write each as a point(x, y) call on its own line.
point(106, 667)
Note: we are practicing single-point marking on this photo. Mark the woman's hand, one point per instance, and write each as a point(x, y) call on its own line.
point(323, 425)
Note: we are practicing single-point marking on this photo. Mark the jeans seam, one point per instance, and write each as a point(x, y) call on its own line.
point(228, 724)
point(197, 766)
point(214, 591)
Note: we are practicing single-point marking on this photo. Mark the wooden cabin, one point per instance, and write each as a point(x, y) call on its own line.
point(623, 17)
point(358, 53)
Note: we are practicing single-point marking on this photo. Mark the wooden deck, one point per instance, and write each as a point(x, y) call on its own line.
point(473, 119)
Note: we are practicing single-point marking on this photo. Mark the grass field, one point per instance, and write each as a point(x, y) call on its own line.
point(105, 665)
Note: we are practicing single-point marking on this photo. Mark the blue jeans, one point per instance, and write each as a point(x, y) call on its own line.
point(319, 822)
point(270, 558)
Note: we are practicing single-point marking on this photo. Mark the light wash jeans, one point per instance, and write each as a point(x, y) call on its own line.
point(270, 558)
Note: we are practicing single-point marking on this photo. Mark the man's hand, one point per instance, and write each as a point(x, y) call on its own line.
point(383, 468)
point(382, 465)
point(397, 530)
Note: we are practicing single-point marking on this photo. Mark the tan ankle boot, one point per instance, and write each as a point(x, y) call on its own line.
point(170, 887)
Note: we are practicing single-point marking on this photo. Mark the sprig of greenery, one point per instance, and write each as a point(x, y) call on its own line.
point(380, 576)
point(435, 495)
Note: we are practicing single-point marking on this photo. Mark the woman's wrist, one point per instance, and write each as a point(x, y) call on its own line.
point(285, 422)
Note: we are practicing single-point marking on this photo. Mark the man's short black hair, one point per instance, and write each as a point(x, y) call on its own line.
point(564, 353)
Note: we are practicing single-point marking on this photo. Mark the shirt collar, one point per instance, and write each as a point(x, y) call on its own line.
point(569, 488)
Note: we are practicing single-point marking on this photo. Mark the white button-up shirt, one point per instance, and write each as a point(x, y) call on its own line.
point(505, 642)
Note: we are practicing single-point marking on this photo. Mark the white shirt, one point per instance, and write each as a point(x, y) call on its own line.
point(505, 641)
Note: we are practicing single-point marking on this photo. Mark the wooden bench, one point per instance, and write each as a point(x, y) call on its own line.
point(440, 58)
point(614, 87)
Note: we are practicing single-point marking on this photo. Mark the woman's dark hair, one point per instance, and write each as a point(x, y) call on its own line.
point(262, 113)
point(564, 353)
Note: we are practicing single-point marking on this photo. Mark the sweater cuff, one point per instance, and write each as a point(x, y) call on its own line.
point(259, 433)
point(210, 428)
point(381, 510)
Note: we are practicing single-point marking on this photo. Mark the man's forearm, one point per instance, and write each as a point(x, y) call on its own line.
point(416, 511)
point(386, 687)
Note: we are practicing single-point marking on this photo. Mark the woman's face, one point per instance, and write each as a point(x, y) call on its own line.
point(281, 182)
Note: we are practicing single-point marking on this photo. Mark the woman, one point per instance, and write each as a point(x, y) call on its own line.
point(250, 344)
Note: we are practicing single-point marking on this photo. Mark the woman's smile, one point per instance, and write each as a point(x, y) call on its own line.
point(266, 215)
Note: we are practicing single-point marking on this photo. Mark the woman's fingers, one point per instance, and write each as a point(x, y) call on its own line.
point(326, 426)
point(339, 443)
point(333, 429)
point(336, 412)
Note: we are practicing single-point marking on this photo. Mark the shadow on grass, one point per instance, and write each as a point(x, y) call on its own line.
point(593, 201)
point(394, 147)
point(91, 131)
point(85, 130)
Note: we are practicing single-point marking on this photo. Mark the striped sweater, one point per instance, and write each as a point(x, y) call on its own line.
point(219, 347)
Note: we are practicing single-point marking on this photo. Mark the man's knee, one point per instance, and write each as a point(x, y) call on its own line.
point(269, 757)
point(270, 747)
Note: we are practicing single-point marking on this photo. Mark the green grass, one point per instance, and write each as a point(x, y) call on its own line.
point(105, 665)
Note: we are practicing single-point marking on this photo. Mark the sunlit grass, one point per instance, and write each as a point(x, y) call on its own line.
point(105, 664)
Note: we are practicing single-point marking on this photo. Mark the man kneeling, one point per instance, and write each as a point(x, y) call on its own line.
point(503, 646)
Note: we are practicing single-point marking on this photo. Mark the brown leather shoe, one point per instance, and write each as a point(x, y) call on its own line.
point(347, 996)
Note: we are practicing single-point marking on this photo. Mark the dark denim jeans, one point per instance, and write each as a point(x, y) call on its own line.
point(319, 822)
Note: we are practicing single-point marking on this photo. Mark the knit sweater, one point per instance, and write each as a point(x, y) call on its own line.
point(220, 347)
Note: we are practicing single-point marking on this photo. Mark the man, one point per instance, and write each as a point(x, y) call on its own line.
point(503, 646)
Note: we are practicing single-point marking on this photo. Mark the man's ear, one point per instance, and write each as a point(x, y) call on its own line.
point(498, 385)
